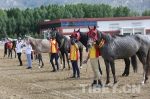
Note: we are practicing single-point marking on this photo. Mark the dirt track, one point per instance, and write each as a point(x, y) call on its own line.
point(16, 82)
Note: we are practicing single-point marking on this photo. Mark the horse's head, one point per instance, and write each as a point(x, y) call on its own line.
point(53, 33)
point(75, 36)
point(29, 39)
point(48, 35)
point(92, 36)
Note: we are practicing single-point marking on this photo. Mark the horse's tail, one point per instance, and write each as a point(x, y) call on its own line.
point(134, 63)
point(148, 63)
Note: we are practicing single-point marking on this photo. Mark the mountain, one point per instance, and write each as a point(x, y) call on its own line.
point(135, 5)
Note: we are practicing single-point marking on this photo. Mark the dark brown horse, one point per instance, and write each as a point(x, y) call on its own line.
point(64, 46)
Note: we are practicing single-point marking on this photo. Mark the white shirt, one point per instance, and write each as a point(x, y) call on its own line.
point(28, 49)
point(19, 47)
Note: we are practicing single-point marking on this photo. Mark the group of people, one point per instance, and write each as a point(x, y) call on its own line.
point(19, 46)
point(93, 55)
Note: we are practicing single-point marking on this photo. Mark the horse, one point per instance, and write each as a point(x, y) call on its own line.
point(83, 39)
point(39, 46)
point(119, 48)
point(14, 42)
point(64, 46)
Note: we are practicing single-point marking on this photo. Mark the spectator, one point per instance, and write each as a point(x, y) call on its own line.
point(19, 50)
point(28, 52)
point(9, 47)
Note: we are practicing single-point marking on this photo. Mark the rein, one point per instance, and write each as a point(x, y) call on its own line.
point(102, 41)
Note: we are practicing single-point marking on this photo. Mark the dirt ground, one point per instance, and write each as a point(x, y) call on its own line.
point(17, 82)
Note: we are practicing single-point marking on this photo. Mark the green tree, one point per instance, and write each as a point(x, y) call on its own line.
point(146, 13)
point(3, 22)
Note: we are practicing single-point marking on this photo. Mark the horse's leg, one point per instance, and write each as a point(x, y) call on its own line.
point(112, 64)
point(67, 60)
point(107, 72)
point(41, 60)
point(127, 67)
point(81, 52)
point(60, 60)
point(145, 65)
point(148, 67)
point(15, 52)
point(60, 57)
point(134, 63)
point(143, 60)
point(99, 67)
point(63, 57)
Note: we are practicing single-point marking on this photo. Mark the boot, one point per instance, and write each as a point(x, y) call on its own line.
point(99, 84)
point(73, 76)
point(94, 83)
point(78, 77)
point(53, 69)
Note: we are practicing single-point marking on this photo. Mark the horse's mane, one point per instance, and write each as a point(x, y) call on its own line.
point(102, 35)
point(84, 38)
point(33, 41)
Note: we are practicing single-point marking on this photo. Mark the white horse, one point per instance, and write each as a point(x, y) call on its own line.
point(39, 46)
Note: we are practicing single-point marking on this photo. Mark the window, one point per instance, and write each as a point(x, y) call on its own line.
point(126, 34)
point(90, 23)
point(51, 25)
point(113, 26)
point(135, 24)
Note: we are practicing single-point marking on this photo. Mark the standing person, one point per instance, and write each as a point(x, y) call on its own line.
point(19, 50)
point(28, 54)
point(54, 54)
point(9, 47)
point(93, 54)
point(74, 58)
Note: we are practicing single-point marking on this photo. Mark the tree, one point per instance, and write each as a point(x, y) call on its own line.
point(146, 13)
point(3, 26)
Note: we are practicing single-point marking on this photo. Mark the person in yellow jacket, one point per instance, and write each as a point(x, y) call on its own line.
point(74, 58)
point(54, 54)
point(93, 54)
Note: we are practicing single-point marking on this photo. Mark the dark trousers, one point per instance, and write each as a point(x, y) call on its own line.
point(19, 58)
point(75, 67)
point(10, 53)
point(54, 55)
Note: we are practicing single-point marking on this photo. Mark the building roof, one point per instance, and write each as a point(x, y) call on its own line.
point(94, 19)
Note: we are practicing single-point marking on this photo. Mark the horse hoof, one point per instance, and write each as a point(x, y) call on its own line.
point(63, 68)
point(123, 74)
point(106, 85)
point(143, 82)
point(115, 85)
point(80, 67)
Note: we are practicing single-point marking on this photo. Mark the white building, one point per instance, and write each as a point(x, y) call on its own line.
point(117, 25)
